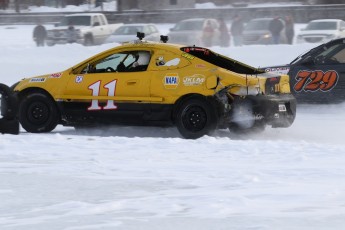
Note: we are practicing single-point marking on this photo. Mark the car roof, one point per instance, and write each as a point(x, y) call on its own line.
point(326, 20)
point(262, 19)
point(193, 19)
point(84, 14)
point(138, 24)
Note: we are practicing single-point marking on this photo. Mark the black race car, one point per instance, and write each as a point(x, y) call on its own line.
point(317, 76)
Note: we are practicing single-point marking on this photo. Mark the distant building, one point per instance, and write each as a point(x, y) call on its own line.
point(148, 5)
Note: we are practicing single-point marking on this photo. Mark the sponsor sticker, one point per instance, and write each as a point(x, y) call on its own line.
point(55, 75)
point(201, 66)
point(196, 79)
point(171, 81)
point(188, 56)
point(79, 79)
point(278, 70)
point(38, 79)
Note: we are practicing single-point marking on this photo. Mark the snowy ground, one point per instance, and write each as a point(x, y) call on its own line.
point(131, 178)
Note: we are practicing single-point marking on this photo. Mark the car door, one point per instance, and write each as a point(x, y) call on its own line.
point(101, 31)
point(319, 77)
point(109, 87)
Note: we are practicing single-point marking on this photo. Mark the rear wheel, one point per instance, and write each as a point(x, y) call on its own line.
point(195, 118)
point(38, 113)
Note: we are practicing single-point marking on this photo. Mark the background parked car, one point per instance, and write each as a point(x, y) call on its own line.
point(190, 31)
point(322, 30)
point(256, 31)
point(128, 32)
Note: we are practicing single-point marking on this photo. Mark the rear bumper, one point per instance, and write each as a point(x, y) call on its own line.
point(275, 110)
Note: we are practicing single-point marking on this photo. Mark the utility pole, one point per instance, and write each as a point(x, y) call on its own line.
point(16, 6)
point(119, 6)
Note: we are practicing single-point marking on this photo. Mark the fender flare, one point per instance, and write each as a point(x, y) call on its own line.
point(8, 110)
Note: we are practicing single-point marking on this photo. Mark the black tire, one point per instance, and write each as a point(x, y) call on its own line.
point(9, 103)
point(196, 118)
point(88, 40)
point(38, 113)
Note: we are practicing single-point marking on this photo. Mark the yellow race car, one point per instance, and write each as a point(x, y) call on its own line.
point(145, 83)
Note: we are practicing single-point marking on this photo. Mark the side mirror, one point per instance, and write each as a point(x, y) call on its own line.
point(172, 29)
point(96, 24)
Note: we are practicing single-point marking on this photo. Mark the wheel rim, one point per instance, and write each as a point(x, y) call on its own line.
point(194, 118)
point(38, 113)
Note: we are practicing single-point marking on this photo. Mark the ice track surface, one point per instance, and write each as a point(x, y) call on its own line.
point(131, 178)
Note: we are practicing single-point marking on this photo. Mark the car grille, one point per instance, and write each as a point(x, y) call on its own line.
point(251, 38)
point(313, 39)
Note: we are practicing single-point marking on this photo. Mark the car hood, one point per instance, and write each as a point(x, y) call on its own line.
point(317, 32)
point(66, 27)
point(120, 38)
point(256, 32)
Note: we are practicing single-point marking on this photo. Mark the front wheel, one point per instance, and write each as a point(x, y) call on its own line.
point(195, 118)
point(38, 113)
point(88, 40)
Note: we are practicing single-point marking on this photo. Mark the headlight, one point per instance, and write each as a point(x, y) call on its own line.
point(266, 36)
point(50, 33)
point(78, 32)
point(330, 36)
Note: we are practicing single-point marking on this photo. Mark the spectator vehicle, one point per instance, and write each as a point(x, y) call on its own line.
point(128, 32)
point(190, 31)
point(90, 29)
point(321, 31)
point(317, 76)
point(257, 32)
point(147, 83)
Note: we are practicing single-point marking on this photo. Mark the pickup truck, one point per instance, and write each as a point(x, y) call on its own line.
point(90, 29)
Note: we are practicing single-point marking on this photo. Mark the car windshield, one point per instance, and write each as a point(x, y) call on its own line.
point(258, 25)
point(189, 25)
point(128, 30)
point(321, 26)
point(76, 20)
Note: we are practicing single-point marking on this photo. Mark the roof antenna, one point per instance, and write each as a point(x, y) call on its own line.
point(164, 38)
point(140, 35)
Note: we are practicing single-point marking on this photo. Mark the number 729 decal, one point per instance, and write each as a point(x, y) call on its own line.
point(315, 80)
point(95, 88)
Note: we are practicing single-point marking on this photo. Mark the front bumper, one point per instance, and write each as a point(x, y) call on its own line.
point(61, 41)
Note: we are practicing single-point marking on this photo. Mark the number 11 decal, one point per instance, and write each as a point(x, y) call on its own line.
point(95, 88)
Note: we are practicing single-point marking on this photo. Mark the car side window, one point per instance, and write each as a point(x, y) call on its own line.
point(153, 29)
point(339, 56)
point(96, 21)
point(132, 61)
point(146, 30)
point(331, 55)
